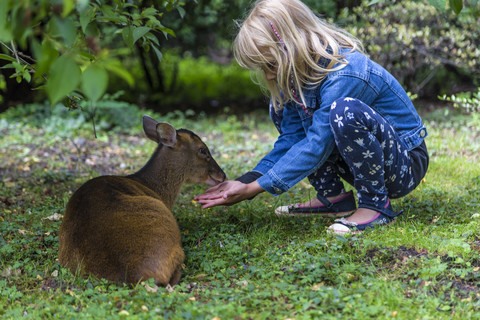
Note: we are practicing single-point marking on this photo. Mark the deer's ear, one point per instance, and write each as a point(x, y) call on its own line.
point(167, 135)
point(150, 128)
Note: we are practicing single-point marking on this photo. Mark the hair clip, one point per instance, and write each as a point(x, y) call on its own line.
point(278, 36)
point(291, 74)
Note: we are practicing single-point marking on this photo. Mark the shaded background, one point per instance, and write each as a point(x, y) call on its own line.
point(429, 52)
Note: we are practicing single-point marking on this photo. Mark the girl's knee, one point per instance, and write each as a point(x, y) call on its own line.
point(344, 110)
point(338, 111)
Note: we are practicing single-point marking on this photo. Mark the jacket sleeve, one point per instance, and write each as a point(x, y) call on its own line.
point(292, 133)
point(307, 152)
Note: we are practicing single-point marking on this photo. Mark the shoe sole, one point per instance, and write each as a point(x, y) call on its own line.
point(339, 232)
point(313, 214)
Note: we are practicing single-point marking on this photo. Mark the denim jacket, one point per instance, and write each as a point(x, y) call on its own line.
point(306, 140)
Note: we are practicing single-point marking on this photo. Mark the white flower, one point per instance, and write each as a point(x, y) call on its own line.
point(350, 115)
point(334, 104)
point(349, 99)
point(368, 154)
point(367, 115)
point(339, 120)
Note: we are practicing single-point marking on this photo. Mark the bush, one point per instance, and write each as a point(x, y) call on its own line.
point(431, 53)
point(468, 103)
point(68, 46)
point(200, 79)
point(195, 83)
point(110, 115)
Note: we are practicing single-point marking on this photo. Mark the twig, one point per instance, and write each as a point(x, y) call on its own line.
point(19, 55)
point(15, 51)
point(426, 80)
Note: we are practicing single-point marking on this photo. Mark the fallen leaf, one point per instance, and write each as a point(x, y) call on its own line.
point(151, 289)
point(8, 272)
point(242, 283)
point(201, 276)
point(54, 217)
point(317, 286)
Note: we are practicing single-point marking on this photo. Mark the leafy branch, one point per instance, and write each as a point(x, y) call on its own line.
point(454, 5)
point(75, 45)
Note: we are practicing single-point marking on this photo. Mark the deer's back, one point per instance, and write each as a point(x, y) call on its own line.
point(119, 229)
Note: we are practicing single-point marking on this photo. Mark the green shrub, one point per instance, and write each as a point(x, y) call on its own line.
point(191, 82)
point(428, 51)
point(66, 46)
point(469, 103)
point(109, 115)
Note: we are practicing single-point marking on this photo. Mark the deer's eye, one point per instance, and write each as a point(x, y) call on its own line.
point(204, 151)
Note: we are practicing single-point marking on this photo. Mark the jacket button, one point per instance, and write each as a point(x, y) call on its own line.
point(422, 133)
point(277, 190)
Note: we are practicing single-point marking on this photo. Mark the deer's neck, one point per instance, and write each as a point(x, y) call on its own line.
point(163, 175)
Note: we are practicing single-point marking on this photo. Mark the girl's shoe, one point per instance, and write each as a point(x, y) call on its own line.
point(340, 207)
point(343, 226)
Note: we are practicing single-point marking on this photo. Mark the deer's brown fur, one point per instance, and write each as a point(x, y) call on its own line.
point(122, 228)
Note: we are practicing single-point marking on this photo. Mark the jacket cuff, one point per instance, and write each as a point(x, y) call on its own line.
point(249, 177)
point(272, 184)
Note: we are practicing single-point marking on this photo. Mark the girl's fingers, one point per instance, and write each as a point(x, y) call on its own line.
point(214, 203)
point(220, 199)
point(206, 197)
point(211, 193)
point(213, 189)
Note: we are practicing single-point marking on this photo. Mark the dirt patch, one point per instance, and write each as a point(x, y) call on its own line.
point(458, 278)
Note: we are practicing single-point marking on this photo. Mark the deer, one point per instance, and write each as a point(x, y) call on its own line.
point(121, 228)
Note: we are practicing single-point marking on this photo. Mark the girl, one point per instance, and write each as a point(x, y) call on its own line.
point(339, 115)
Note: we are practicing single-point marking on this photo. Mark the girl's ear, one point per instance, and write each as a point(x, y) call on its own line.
point(150, 128)
point(167, 135)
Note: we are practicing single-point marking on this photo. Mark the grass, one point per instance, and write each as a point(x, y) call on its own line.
point(242, 262)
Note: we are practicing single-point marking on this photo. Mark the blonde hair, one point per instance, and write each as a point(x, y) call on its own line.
point(285, 37)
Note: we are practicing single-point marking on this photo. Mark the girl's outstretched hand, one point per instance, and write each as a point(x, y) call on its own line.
point(228, 193)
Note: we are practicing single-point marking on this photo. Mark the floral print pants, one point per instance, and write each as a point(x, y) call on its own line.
point(369, 155)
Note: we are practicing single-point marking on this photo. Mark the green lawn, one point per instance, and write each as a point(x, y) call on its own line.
point(242, 262)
